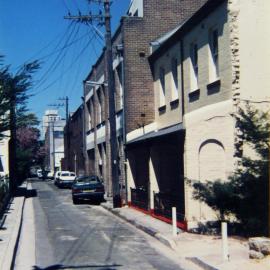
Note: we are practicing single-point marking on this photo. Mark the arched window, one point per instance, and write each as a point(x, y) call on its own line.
point(212, 163)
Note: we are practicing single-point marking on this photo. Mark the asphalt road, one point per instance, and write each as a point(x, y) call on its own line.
point(86, 236)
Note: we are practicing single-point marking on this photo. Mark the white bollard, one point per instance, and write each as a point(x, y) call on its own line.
point(225, 250)
point(174, 221)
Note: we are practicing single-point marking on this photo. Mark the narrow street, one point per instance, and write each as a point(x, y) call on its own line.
point(84, 236)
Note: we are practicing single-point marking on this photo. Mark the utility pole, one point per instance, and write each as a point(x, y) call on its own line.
point(110, 89)
point(12, 143)
point(66, 105)
point(67, 129)
point(53, 145)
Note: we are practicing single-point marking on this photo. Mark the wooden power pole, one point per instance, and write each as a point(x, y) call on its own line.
point(106, 18)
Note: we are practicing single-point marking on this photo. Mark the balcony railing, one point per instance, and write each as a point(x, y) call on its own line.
point(139, 198)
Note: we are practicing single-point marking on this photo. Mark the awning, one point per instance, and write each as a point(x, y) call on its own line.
point(158, 133)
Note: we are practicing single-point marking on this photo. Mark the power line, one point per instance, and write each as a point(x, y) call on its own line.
point(57, 60)
point(69, 67)
point(105, 19)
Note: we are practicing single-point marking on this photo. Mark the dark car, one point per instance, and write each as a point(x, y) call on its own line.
point(87, 188)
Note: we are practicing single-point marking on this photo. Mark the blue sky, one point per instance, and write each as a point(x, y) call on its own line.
point(36, 29)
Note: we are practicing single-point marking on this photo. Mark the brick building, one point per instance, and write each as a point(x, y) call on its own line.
point(145, 21)
point(201, 76)
point(74, 143)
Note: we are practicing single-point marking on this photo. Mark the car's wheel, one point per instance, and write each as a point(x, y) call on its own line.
point(75, 200)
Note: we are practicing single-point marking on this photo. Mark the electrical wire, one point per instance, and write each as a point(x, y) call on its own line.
point(69, 67)
point(57, 60)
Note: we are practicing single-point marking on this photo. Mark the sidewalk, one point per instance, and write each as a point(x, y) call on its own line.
point(9, 233)
point(205, 251)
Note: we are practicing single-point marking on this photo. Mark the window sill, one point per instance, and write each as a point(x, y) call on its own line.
point(162, 109)
point(101, 124)
point(194, 95)
point(214, 83)
point(174, 103)
point(213, 87)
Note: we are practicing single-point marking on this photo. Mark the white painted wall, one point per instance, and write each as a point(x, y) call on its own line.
point(134, 6)
point(254, 45)
point(203, 127)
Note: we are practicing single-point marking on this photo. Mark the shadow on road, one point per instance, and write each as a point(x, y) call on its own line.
point(60, 266)
point(24, 192)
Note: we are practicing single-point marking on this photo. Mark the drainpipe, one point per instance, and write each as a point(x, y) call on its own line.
point(182, 78)
point(183, 106)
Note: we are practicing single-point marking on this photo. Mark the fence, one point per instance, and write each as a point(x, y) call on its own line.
point(139, 198)
point(163, 203)
point(4, 194)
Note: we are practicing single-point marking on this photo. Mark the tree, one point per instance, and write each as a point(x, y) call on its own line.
point(16, 85)
point(30, 150)
point(14, 95)
point(245, 193)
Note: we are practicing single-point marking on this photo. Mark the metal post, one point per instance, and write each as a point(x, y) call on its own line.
point(224, 232)
point(75, 164)
point(53, 143)
point(174, 221)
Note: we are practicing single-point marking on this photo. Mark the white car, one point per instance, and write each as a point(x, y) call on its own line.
point(56, 177)
point(39, 174)
point(66, 179)
point(50, 175)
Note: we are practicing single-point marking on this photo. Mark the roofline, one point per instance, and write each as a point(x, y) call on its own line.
point(196, 18)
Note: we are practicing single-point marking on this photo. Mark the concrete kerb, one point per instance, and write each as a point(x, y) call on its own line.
point(163, 239)
point(10, 253)
point(200, 263)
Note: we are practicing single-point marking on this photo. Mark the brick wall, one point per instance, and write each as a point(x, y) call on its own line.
point(159, 17)
point(73, 142)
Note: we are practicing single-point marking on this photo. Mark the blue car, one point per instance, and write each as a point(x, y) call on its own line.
point(87, 188)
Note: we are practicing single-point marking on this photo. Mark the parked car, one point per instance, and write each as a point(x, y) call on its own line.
point(56, 177)
point(86, 188)
point(66, 179)
point(39, 174)
point(50, 175)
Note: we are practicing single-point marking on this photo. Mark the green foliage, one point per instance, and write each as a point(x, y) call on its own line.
point(245, 193)
point(16, 85)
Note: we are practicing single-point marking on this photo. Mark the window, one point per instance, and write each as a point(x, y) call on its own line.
point(99, 107)
point(120, 79)
point(174, 65)
point(213, 45)
point(58, 134)
point(162, 87)
point(194, 69)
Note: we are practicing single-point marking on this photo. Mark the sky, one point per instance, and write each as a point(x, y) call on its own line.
point(36, 30)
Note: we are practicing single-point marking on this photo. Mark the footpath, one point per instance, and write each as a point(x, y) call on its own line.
point(10, 229)
point(203, 250)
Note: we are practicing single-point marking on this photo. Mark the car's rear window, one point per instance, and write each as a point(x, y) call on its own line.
point(72, 174)
point(88, 179)
point(65, 174)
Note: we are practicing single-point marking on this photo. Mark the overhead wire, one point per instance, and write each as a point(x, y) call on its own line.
point(57, 60)
point(75, 80)
point(67, 69)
